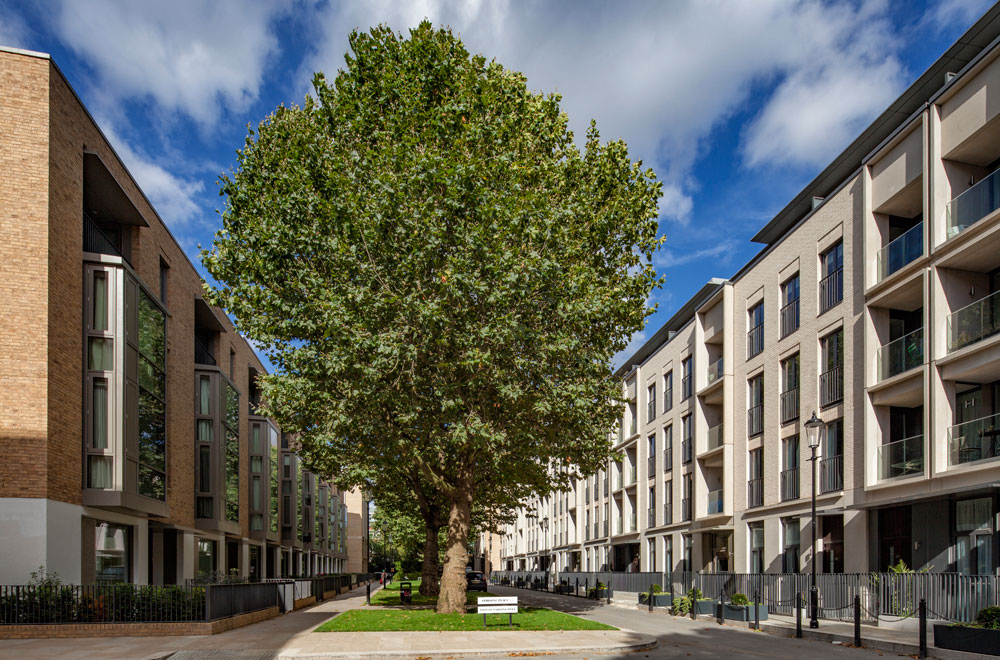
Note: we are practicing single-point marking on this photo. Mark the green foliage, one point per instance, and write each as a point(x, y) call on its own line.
point(42, 578)
point(989, 617)
point(694, 593)
point(682, 605)
point(655, 589)
point(739, 599)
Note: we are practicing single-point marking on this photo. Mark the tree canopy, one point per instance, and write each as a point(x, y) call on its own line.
point(440, 275)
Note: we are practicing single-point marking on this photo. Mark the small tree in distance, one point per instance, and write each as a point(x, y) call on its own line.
point(440, 276)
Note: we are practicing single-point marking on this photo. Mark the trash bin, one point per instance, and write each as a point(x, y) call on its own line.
point(406, 592)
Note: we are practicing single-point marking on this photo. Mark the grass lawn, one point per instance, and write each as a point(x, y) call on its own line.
point(388, 596)
point(529, 618)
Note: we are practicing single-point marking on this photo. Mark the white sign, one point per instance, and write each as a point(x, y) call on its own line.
point(496, 609)
point(497, 600)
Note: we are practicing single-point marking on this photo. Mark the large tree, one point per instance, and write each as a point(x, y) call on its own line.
point(440, 275)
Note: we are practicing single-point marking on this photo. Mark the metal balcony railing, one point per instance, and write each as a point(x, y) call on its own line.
point(100, 241)
point(902, 354)
point(831, 386)
point(668, 514)
point(755, 340)
point(651, 517)
point(901, 458)
point(790, 484)
point(831, 290)
point(715, 371)
point(686, 388)
point(973, 205)
point(974, 323)
point(686, 509)
point(755, 419)
point(668, 459)
point(686, 450)
point(755, 492)
point(789, 405)
point(831, 472)
point(900, 251)
point(668, 399)
point(789, 318)
point(715, 437)
point(715, 501)
point(651, 467)
point(975, 440)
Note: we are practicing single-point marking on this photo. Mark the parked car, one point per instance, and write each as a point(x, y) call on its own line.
point(475, 581)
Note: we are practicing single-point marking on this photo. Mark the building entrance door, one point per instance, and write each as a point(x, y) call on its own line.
point(895, 543)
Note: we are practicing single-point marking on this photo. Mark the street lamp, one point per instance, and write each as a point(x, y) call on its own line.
point(813, 427)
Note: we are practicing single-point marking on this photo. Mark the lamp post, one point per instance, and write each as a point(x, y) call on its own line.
point(813, 427)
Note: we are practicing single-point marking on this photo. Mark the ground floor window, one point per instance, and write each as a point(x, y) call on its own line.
point(652, 555)
point(111, 558)
point(757, 548)
point(790, 541)
point(974, 536)
point(688, 547)
point(206, 557)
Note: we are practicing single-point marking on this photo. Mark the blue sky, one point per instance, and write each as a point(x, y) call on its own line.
point(736, 105)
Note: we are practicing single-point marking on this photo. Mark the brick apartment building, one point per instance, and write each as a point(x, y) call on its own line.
point(875, 302)
point(131, 448)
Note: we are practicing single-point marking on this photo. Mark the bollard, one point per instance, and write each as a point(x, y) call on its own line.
point(756, 610)
point(923, 629)
point(718, 611)
point(609, 588)
point(586, 587)
point(650, 598)
point(576, 591)
point(857, 620)
point(798, 615)
point(368, 595)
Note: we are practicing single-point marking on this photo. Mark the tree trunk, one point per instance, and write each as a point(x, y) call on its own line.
point(453, 582)
point(429, 570)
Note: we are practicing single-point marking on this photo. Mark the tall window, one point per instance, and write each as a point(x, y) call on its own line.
point(651, 403)
point(688, 548)
point(668, 502)
point(152, 399)
point(790, 468)
point(687, 386)
point(831, 284)
point(686, 500)
point(206, 557)
point(668, 448)
point(231, 423)
point(790, 389)
point(790, 545)
point(651, 457)
point(832, 464)
point(100, 379)
point(790, 306)
point(755, 405)
point(755, 482)
point(652, 554)
point(651, 512)
point(273, 471)
point(668, 553)
point(686, 429)
point(831, 378)
point(757, 548)
point(668, 391)
point(112, 558)
point(755, 337)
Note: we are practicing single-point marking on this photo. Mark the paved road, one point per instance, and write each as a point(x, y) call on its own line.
point(683, 638)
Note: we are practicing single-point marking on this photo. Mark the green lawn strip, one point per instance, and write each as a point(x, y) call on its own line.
point(397, 583)
point(383, 598)
point(529, 618)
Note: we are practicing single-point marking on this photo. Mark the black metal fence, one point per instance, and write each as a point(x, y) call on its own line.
point(226, 600)
point(117, 603)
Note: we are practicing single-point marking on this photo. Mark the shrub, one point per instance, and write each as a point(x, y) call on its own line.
point(739, 599)
point(694, 594)
point(682, 605)
point(601, 585)
point(989, 617)
point(655, 589)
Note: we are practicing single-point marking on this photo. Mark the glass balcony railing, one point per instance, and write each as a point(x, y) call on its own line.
point(974, 323)
point(714, 502)
point(900, 251)
point(901, 458)
point(975, 440)
point(901, 354)
point(974, 204)
point(715, 371)
point(714, 437)
point(651, 467)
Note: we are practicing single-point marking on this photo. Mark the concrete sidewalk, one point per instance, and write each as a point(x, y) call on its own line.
point(291, 636)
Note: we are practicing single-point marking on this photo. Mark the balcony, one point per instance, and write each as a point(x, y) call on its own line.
point(790, 484)
point(831, 386)
point(901, 458)
point(686, 386)
point(789, 405)
point(715, 437)
point(686, 450)
point(686, 509)
point(831, 473)
point(973, 205)
point(755, 341)
point(715, 371)
point(901, 354)
point(631, 476)
point(714, 502)
point(755, 492)
point(755, 420)
point(102, 241)
point(831, 290)
point(975, 440)
point(974, 323)
point(905, 249)
point(789, 318)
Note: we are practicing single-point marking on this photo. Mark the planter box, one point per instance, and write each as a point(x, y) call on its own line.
point(659, 600)
point(970, 640)
point(598, 593)
point(706, 606)
point(565, 589)
point(743, 612)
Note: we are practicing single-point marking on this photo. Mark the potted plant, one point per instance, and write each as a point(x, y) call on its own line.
point(983, 636)
point(600, 591)
point(699, 603)
point(660, 599)
point(739, 608)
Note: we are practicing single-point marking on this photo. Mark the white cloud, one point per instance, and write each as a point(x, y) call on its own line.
point(719, 253)
point(634, 344)
point(957, 12)
point(188, 56)
point(13, 30)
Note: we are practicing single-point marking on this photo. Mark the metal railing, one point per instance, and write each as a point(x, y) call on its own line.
point(975, 440)
point(668, 514)
point(226, 600)
point(789, 318)
point(755, 419)
point(97, 240)
point(715, 437)
point(831, 472)
point(789, 405)
point(900, 251)
point(668, 459)
point(755, 492)
point(831, 290)
point(790, 484)
point(686, 509)
point(668, 399)
point(755, 340)
point(685, 388)
point(715, 502)
point(901, 458)
point(974, 323)
point(902, 354)
point(715, 371)
point(686, 450)
point(831, 386)
point(651, 467)
point(973, 205)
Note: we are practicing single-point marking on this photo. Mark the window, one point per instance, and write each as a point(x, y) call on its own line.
point(101, 428)
point(206, 557)
point(668, 554)
point(757, 548)
point(790, 389)
point(163, 281)
point(831, 286)
point(112, 558)
point(832, 465)
point(755, 337)
point(831, 378)
point(790, 306)
point(755, 405)
point(688, 548)
point(668, 502)
point(686, 500)
point(231, 422)
point(790, 468)
point(686, 384)
point(152, 411)
point(651, 502)
point(686, 440)
point(755, 481)
point(790, 541)
point(668, 448)
point(668, 391)
point(652, 555)
point(651, 403)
